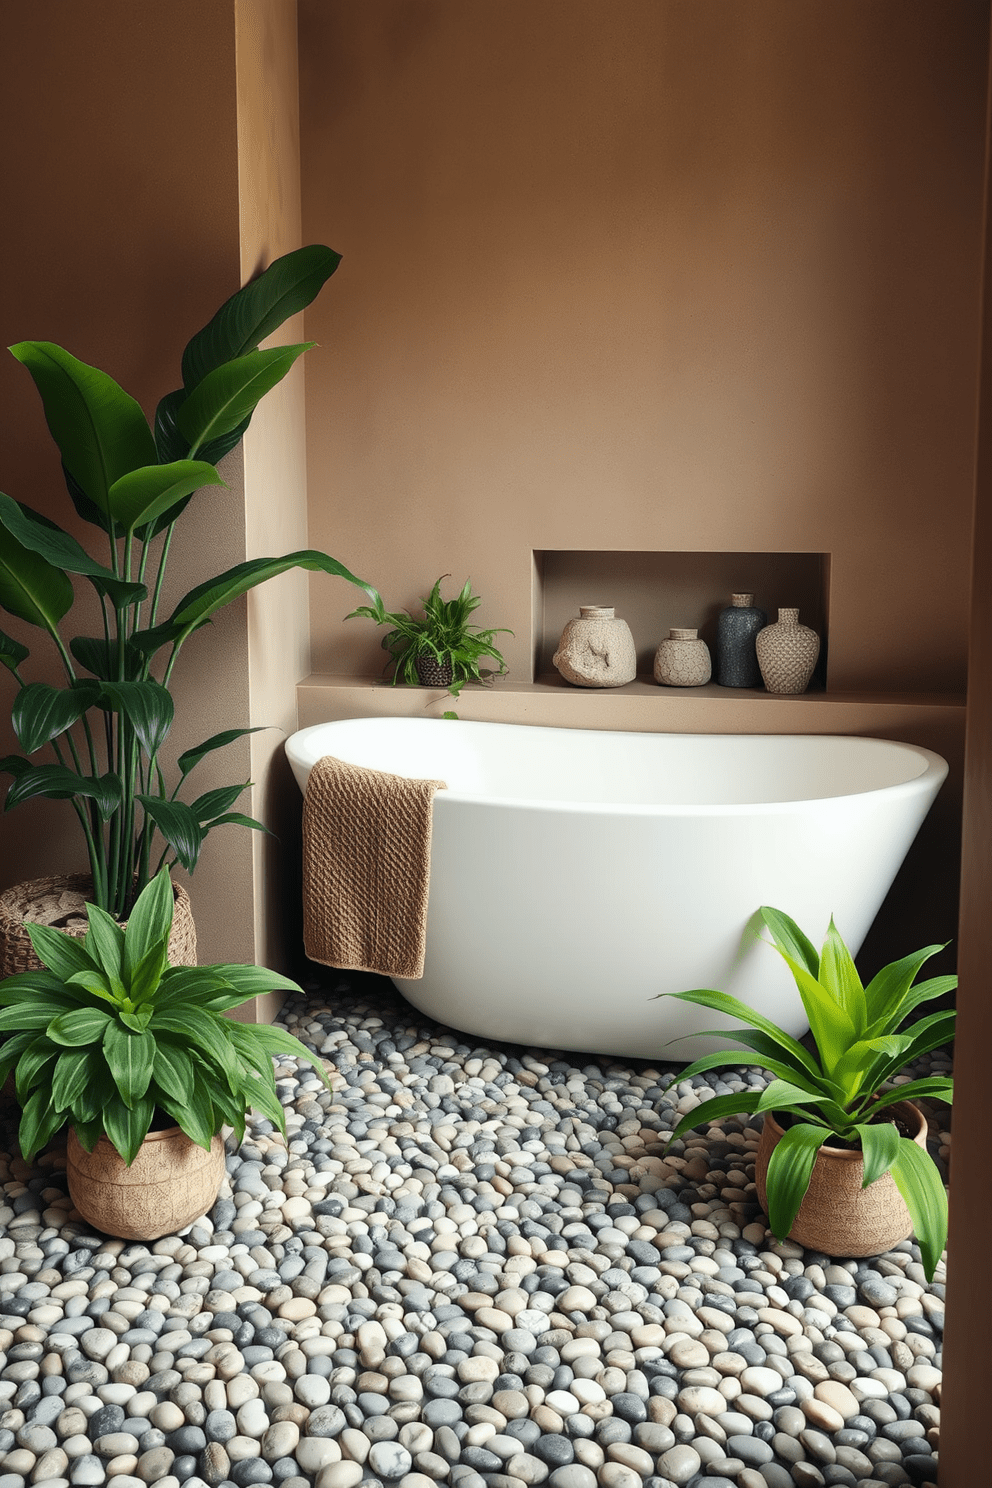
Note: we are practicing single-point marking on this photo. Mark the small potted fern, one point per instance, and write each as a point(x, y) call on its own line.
point(440, 648)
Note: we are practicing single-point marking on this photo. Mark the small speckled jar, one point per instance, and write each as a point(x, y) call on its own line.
point(683, 660)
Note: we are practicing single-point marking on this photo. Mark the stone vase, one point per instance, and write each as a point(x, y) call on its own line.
point(737, 628)
point(597, 649)
point(171, 1182)
point(787, 653)
point(683, 660)
point(837, 1216)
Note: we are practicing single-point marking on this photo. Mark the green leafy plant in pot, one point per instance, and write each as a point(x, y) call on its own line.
point(439, 648)
point(842, 1166)
point(101, 734)
point(110, 1040)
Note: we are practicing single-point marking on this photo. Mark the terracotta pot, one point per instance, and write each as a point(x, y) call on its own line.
point(170, 1183)
point(838, 1216)
point(68, 894)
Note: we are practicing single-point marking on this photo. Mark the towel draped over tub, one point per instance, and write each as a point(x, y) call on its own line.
point(366, 868)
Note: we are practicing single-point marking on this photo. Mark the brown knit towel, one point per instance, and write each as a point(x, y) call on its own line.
point(366, 868)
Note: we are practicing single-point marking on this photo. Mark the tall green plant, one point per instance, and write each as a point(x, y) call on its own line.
point(103, 731)
point(842, 1090)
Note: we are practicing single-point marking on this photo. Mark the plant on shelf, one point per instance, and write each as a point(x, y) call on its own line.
point(108, 1036)
point(105, 728)
point(439, 648)
point(840, 1096)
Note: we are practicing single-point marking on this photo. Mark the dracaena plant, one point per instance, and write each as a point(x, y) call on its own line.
point(442, 634)
point(842, 1092)
point(109, 1033)
point(97, 741)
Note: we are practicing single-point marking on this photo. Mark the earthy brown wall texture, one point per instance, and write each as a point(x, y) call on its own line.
point(648, 276)
point(118, 153)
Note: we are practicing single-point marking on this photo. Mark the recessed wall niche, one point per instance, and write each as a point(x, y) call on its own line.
point(655, 591)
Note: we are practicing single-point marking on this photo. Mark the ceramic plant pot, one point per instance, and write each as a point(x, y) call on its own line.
point(838, 1216)
point(61, 902)
point(170, 1183)
point(683, 660)
point(787, 653)
point(433, 673)
point(596, 649)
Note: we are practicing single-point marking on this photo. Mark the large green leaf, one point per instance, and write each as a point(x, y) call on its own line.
point(783, 1095)
point(34, 1066)
point(39, 534)
point(39, 1123)
point(716, 1109)
point(214, 803)
point(789, 1169)
point(840, 977)
point(879, 1144)
point(131, 1058)
point(929, 1033)
point(771, 1056)
point(102, 657)
point(127, 1126)
point(788, 938)
point(142, 496)
point(63, 954)
point(172, 444)
point(229, 393)
point(69, 1081)
point(238, 819)
point(105, 945)
point(149, 922)
point(919, 1183)
point(723, 1002)
point(276, 1041)
point(99, 428)
point(58, 783)
point(190, 758)
point(195, 1116)
point(934, 1087)
point(285, 288)
point(203, 602)
point(30, 587)
point(85, 1025)
point(28, 986)
point(174, 1071)
point(202, 1032)
point(886, 993)
point(829, 1022)
point(21, 1017)
point(41, 713)
point(178, 826)
point(146, 706)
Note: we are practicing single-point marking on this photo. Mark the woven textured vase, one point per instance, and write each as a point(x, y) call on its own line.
point(433, 673)
point(838, 1216)
point(787, 653)
point(596, 649)
point(170, 1183)
point(70, 891)
point(683, 660)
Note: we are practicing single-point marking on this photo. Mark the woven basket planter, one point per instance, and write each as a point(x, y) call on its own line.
point(838, 1216)
point(69, 893)
point(433, 673)
point(170, 1183)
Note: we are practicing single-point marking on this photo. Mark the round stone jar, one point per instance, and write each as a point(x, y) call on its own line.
point(597, 649)
point(683, 660)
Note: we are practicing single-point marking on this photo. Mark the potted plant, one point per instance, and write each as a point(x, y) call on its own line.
point(98, 740)
point(842, 1165)
point(137, 1059)
point(440, 648)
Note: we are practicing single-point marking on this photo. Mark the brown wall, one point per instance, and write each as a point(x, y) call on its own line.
point(118, 153)
point(648, 276)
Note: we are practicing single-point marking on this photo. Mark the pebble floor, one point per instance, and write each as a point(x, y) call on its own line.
point(473, 1265)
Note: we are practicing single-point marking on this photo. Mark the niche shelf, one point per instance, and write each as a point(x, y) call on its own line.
point(654, 591)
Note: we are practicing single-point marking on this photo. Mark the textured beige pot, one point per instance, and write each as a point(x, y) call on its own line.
point(170, 1183)
point(838, 1216)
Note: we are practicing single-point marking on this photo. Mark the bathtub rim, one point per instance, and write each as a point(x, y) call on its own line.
point(928, 781)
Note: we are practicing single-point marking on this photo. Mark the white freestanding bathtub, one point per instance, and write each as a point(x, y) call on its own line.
point(576, 874)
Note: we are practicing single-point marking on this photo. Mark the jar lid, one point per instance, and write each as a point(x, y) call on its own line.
point(682, 634)
point(742, 601)
point(596, 612)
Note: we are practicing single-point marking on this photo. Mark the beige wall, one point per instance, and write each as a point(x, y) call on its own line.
point(118, 143)
point(648, 276)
